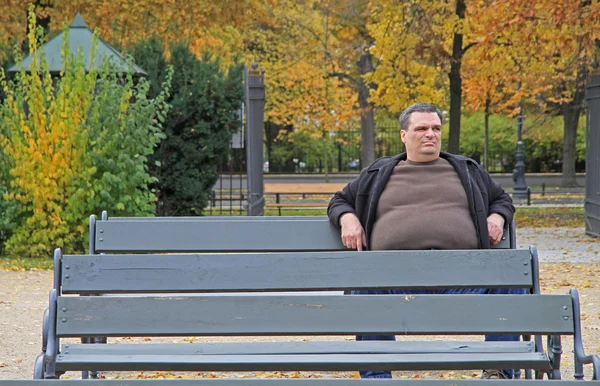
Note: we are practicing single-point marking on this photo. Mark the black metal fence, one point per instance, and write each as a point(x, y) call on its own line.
point(342, 151)
point(343, 154)
point(230, 194)
point(344, 148)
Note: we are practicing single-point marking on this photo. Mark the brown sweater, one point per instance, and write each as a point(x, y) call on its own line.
point(423, 206)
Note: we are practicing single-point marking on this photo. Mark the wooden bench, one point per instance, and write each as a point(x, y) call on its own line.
point(218, 292)
point(304, 189)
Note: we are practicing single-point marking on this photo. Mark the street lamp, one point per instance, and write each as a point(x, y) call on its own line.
point(521, 188)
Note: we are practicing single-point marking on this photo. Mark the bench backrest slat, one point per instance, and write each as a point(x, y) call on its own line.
point(340, 270)
point(313, 315)
point(206, 234)
point(216, 235)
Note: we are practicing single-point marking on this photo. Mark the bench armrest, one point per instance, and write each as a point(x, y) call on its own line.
point(580, 357)
point(52, 348)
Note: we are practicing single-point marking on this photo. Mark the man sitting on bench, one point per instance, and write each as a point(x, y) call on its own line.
point(423, 199)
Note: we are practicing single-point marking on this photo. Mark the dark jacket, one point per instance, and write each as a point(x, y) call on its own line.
point(484, 195)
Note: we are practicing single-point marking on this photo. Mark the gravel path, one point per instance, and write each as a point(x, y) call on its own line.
point(556, 245)
point(24, 296)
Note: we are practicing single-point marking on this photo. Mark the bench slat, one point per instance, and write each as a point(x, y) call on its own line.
point(315, 347)
point(313, 315)
point(329, 362)
point(218, 218)
point(285, 382)
point(216, 235)
point(296, 272)
point(220, 234)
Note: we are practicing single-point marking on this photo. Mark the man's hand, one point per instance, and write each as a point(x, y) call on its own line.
point(495, 227)
point(353, 234)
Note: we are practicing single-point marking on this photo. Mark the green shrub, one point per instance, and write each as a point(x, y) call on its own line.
point(205, 102)
point(72, 145)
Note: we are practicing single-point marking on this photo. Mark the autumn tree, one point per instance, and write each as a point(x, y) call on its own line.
point(205, 25)
point(492, 85)
point(551, 44)
point(295, 49)
point(350, 20)
point(420, 47)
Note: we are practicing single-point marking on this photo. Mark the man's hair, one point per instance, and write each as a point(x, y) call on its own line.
point(417, 108)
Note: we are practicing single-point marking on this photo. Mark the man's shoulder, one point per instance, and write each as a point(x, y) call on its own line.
point(457, 157)
point(461, 159)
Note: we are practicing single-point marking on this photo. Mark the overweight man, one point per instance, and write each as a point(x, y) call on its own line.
point(423, 199)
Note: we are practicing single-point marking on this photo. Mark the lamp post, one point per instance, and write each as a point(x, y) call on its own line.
point(519, 171)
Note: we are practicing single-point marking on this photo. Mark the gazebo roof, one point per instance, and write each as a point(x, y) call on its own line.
point(80, 37)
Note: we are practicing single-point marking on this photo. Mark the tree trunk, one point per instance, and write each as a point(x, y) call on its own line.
point(486, 135)
point(571, 112)
point(456, 84)
point(367, 117)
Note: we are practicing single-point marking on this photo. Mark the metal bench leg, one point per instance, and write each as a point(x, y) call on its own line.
point(40, 364)
point(97, 340)
point(40, 368)
point(528, 372)
point(278, 202)
point(554, 353)
point(85, 374)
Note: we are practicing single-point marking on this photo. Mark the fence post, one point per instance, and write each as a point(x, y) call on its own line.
point(255, 107)
point(592, 162)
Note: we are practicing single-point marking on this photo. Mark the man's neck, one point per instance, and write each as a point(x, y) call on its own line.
point(422, 159)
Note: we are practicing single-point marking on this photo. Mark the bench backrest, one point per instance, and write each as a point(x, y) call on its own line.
point(181, 314)
point(220, 234)
point(305, 254)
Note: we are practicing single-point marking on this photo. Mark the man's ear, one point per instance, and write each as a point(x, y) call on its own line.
point(402, 135)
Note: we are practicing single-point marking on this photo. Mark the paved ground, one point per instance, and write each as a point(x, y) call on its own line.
point(568, 257)
point(560, 245)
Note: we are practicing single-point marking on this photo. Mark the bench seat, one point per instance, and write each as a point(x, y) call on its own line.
point(308, 362)
point(308, 356)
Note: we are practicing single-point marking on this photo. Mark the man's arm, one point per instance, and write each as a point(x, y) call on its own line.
point(501, 208)
point(344, 200)
point(342, 213)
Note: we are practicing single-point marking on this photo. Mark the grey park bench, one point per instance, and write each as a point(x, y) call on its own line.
point(207, 277)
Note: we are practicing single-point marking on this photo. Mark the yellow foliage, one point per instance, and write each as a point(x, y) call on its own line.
point(412, 45)
point(528, 49)
point(45, 146)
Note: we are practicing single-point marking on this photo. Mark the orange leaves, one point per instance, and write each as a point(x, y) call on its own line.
point(299, 52)
point(539, 44)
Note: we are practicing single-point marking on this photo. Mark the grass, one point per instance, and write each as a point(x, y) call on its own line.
point(26, 264)
point(549, 217)
point(524, 217)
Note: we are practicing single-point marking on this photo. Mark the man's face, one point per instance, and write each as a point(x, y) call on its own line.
point(423, 139)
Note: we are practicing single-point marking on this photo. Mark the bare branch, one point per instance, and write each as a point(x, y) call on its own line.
point(343, 76)
point(465, 48)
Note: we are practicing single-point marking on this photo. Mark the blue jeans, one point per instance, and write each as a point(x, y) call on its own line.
point(497, 291)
